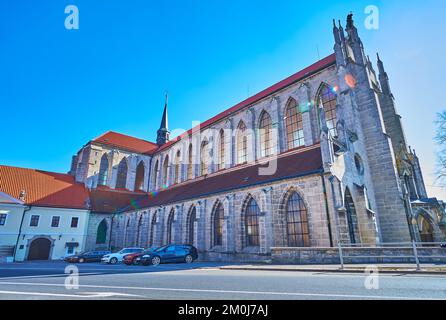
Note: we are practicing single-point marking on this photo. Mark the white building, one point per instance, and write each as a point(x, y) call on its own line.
point(43, 215)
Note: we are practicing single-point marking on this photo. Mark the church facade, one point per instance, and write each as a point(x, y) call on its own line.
point(316, 159)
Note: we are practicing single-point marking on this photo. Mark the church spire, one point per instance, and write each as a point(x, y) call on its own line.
point(163, 132)
point(355, 41)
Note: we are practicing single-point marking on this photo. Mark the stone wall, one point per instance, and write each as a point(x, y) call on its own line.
point(356, 255)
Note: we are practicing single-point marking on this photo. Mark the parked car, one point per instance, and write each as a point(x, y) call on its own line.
point(88, 256)
point(135, 258)
point(443, 245)
point(170, 254)
point(114, 258)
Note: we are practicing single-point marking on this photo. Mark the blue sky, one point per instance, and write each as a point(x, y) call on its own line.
point(61, 88)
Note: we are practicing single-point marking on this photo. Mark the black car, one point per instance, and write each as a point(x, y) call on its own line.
point(89, 256)
point(170, 254)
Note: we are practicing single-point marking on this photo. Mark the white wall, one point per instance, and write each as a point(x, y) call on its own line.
point(9, 232)
point(59, 235)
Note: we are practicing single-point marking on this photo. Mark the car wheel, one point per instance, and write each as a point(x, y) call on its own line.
point(156, 261)
point(114, 260)
point(81, 260)
point(189, 259)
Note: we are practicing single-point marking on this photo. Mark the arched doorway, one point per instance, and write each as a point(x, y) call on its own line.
point(101, 235)
point(426, 230)
point(39, 249)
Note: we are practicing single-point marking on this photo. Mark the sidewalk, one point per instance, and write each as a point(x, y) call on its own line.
point(360, 268)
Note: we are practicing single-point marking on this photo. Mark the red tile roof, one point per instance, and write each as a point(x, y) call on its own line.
point(105, 200)
point(129, 143)
point(46, 189)
point(294, 164)
point(316, 67)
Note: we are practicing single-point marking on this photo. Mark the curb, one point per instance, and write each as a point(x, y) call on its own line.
point(336, 270)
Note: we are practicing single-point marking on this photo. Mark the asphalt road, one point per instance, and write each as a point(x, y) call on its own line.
point(205, 281)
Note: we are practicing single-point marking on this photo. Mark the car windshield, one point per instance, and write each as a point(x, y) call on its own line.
point(161, 249)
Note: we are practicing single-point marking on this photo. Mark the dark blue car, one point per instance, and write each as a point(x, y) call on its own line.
point(171, 254)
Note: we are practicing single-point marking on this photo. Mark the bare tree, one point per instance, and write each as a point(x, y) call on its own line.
point(440, 138)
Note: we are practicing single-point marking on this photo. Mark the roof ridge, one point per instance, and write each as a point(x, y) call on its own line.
point(35, 169)
point(302, 73)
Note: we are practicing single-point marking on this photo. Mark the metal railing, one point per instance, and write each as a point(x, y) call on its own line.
point(414, 246)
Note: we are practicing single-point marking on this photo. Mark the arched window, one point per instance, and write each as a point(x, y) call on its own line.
point(204, 155)
point(126, 232)
point(152, 230)
point(242, 144)
point(177, 177)
point(139, 180)
point(221, 150)
point(189, 163)
point(170, 226)
point(327, 100)
point(166, 172)
point(294, 126)
point(191, 226)
point(156, 172)
point(138, 231)
point(352, 220)
point(103, 171)
point(265, 130)
point(297, 222)
point(252, 213)
point(121, 181)
point(218, 220)
point(101, 235)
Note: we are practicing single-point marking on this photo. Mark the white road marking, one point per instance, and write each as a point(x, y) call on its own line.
point(293, 294)
point(48, 276)
point(80, 296)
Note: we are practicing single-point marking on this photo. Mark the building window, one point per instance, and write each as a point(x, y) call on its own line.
point(138, 231)
point(3, 219)
point(252, 214)
point(155, 174)
point(121, 181)
point(34, 221)
point(177, 177)
point(359, 164)
point(74, 222)
point(219, 216)
point(152, 230)
point(166, 172)
point(170, 226)
point(265, 128)
point(204, 154)
point(190, 163)
point(221, 151)
point(294, 126)
point(242, 144)
point(352, 220)
point(327, 100)
point(191, 226)
point(139, 180)
point(55, 222)
point(103, 171)
point(297, 222)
